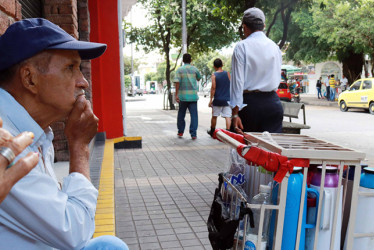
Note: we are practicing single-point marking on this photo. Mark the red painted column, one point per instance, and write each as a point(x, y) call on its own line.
point(106, 81)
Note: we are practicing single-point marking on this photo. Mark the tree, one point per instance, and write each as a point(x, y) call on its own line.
point(165, 32)
point(204, 63)
point(277, 12)
point(348, 29)
point(127, 64)
point(127, 81)
point(159, 75)
point(333, 29)
point(151, 76)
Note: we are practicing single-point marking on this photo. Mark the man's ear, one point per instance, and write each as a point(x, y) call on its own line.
point(29, 80)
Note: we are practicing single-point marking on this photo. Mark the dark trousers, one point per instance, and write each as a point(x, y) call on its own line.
point(328, 93)
point(264, 112)
point(181, 124)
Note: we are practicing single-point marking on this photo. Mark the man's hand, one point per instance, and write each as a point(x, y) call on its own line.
point(177, 99)
point(81, 127)
point(210, 105)
point(10, 175)
point(237, 124)
point(236, 121)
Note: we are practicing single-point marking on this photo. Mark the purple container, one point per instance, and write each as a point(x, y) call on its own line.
point(331, 177)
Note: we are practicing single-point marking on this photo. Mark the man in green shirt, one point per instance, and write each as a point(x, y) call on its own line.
point(186, 88)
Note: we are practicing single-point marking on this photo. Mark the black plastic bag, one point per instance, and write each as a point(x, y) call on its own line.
point(220, 226)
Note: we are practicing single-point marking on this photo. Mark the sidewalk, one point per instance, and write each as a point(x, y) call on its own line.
point(163, 192)
point(311, 99)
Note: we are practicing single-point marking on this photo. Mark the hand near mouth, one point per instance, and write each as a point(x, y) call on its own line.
point(81, 126)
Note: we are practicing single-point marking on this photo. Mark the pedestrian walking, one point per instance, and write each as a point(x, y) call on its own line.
point(332, 87)
point(256, 74)
point(186, 88)
point(319, 86)
point(220, 96)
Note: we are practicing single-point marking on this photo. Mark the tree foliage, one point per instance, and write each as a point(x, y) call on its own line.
point(159, 75)
point(278, 14)
point(127, 64)
point(347, 27)
point(204, 63)
point(204, 30)
point(333, 29)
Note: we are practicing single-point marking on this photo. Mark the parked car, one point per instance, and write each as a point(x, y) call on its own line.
point(284, 92)
point(140, 92)
point(359, 95)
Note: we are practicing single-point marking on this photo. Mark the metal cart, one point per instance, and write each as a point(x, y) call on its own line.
point(318, 152)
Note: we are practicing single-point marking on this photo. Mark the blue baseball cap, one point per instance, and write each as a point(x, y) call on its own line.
point(26, 38)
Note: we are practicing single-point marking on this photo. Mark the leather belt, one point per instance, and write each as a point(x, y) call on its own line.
point(256, 91)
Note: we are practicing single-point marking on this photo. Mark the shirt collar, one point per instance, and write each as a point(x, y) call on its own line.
point(18, 115)
point(259, 33)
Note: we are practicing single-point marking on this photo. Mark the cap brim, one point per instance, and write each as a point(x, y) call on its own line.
point(87, 50)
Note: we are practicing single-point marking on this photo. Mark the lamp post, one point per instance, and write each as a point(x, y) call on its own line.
point(184, 28)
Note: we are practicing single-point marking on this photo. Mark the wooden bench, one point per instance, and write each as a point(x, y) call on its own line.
point(291, 110)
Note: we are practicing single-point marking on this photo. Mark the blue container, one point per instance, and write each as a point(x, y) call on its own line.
point(291, 216)
point(367, 178)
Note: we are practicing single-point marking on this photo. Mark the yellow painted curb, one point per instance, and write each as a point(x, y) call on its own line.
point(105, 214)
point(127, 138)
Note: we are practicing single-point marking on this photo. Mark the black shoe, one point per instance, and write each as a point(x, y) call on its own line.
point(210, 132)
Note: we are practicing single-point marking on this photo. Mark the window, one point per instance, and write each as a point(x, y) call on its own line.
point(366, 84)
point(283, 86)
point(355, 86)
point(31, 8)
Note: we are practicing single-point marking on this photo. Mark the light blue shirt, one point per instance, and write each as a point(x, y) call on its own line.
point(37, 214)
point(256, 65)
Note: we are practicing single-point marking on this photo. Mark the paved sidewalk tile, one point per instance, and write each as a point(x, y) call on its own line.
point(164, 190)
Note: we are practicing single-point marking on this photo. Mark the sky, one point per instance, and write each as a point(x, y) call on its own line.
point(137, 17)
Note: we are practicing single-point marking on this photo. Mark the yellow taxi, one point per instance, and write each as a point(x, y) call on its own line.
point(359, 95)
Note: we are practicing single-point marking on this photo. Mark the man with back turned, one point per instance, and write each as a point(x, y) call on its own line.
point(256, 74)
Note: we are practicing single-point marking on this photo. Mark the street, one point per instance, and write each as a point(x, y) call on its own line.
point(352, 129)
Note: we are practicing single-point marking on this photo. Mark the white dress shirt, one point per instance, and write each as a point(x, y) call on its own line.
point(344, 82)
point(37, 214)
point(256, 65)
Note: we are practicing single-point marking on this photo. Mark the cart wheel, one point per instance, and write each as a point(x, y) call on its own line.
point(371, 108)
point(344, 108)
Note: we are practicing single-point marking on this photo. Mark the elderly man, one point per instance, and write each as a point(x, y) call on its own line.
point(41, 83)
point(256, 74)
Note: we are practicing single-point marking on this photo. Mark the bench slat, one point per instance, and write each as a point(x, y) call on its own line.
point(287, 124)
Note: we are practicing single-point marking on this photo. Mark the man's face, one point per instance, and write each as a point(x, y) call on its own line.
point(61, 84)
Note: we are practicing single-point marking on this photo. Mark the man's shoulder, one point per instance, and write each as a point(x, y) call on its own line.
point(179, 69)
point(189, 66)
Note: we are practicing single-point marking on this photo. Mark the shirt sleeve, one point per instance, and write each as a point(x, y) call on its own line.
point(176, 77)
point(38, 210)
point(237, 78)
point(198, 76)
